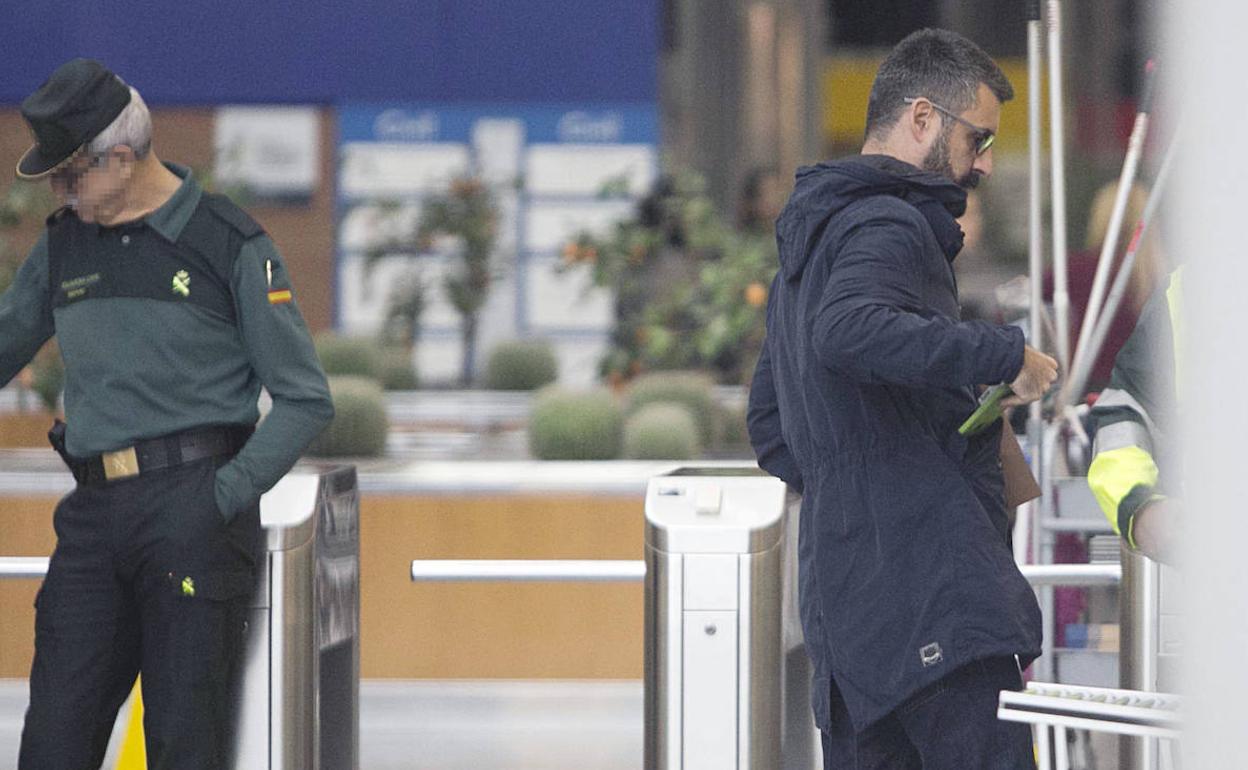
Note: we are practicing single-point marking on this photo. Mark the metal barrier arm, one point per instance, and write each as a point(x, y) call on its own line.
point(23, 567)
point(601, 571)
point(1126, 712)
point(1072, 574)
point(528, 571)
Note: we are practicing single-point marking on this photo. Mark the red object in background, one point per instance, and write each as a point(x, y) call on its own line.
point(1092, 140)
point(1080, 273)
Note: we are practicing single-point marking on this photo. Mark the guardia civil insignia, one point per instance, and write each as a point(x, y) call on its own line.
point(182, 283)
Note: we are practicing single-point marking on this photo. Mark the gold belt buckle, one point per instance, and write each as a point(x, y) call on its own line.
point(121, 464)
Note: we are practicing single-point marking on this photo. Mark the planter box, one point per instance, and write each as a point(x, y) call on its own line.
point(25, 429)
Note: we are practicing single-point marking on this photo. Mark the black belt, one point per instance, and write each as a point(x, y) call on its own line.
point(151, 454)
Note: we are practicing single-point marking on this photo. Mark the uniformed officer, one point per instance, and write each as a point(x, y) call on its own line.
point(172, 309)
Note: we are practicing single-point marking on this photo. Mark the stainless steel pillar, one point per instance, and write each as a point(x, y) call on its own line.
point(799, 738)
point(1150, 642)
point(713, 606)
point(1140, 625)
point(300, 692)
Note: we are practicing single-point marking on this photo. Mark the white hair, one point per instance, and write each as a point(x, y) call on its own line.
point(132, 127)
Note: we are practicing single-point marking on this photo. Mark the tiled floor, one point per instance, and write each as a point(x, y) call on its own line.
point(463, 725)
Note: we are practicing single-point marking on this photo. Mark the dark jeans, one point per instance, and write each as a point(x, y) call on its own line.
point(949, 725)
point(146, 576)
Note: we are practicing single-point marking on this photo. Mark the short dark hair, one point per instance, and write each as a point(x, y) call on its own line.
point(934, 63)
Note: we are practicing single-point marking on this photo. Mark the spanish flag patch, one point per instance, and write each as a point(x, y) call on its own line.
point(279, 296)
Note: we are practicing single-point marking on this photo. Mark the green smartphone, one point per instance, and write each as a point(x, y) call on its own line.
point(988, 411)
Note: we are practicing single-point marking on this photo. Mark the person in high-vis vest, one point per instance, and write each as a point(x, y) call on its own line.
point(1134, 472)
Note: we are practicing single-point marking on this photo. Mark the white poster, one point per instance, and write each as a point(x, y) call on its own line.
point(270, 154)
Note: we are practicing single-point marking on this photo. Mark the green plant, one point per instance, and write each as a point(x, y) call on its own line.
point(521, 365)
point(405, 305)
point(359, 426)
point(398, 372)
point(7, 273)
point(733, 429)
point(661, 431)
point(49, 376)
point(690, 292)
point(568, 425)
point(691, 390)
point(356, 356)
point(20, 203)
point(467, 215)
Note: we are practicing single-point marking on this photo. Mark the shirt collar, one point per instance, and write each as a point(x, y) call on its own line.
point(173, 214)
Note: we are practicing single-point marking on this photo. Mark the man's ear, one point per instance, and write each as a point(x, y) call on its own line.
point(124, 156)
point(919, 118)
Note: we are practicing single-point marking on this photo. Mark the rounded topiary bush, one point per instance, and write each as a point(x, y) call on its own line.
point(733, 430)
point(398, 372)
point(521, 365)
point(661, 431)
point(692, 390)
point(49, 377)
point(354, 356)
point(359, 426)
point(567, 425)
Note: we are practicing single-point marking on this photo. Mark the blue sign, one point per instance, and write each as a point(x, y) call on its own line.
point(241, 51)
point(544, 124)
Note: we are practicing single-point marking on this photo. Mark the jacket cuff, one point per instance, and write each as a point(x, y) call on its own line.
point(1139, 496)
point(1014, 362)
point(232, 499)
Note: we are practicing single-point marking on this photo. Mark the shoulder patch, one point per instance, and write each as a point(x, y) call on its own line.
point(229, 212)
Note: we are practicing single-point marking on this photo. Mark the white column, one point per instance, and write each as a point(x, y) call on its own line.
point(1206, 47)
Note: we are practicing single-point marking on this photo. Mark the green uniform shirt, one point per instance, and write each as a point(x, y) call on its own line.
point(169, 323)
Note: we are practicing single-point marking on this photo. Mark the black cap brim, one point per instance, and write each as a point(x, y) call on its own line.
point(36, 165)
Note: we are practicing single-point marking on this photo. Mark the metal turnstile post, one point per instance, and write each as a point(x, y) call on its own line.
point(714, 605)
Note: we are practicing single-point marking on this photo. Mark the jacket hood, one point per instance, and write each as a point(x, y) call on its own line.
point(825, 189)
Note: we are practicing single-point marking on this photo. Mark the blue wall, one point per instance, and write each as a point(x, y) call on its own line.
point(238, 51)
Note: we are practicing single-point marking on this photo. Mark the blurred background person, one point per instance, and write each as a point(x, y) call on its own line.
point(979, 268)
point(1081, 272)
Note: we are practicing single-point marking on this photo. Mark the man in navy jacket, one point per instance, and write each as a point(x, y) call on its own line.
point(914, 612)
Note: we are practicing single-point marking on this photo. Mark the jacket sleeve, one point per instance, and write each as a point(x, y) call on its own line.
point(281, 353)
point(871, 324)
point(763, 422)
point(25, 313)
point(1124, 473)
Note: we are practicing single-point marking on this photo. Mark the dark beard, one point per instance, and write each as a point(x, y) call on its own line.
point(938, 161)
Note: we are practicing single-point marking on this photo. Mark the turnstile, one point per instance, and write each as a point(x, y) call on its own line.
point(299, 705)
point(716, 651)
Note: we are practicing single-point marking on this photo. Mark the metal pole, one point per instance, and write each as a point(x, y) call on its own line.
point(1057, 139)
point(1072, 574)
point(1044, 751)
point(1139, 615)
point(604, 571)
point(1029, 513)
point(1061, 749)
point(528, 570)
point(1035, 248)
point(1042, 547)
point(23, 567)
point(1130, 168)
point(1078, 378)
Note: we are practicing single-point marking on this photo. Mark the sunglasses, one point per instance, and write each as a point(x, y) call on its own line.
point(73, 172)
point(982, 138)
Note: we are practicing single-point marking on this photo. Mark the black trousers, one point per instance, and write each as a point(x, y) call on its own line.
point(146, 577)
point(949, 725)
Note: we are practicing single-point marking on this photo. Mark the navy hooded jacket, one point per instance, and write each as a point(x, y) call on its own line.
point(906, 572)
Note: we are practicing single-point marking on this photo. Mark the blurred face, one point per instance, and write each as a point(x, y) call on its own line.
point(955, 153)
point(94, 184)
